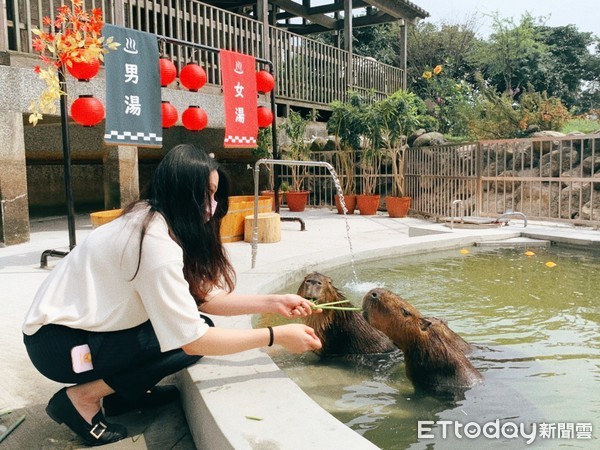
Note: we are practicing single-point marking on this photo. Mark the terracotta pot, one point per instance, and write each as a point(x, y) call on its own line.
point(367, 204)
point(271, 195)
point(397, 206)
point(296, 200)
point(349, 201)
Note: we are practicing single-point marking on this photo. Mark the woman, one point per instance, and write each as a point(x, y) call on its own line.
point(120, 311)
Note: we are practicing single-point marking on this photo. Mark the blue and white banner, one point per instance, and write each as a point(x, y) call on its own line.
point(133, 112)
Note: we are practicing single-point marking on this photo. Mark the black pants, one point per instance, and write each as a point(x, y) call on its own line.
point(129, 361)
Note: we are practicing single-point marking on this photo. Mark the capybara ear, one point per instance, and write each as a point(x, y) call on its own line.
point(425, 324)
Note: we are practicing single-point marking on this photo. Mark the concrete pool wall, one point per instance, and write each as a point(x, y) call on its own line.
point(245, 401)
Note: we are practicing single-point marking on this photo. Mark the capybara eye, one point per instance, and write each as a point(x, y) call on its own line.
point(405, 312)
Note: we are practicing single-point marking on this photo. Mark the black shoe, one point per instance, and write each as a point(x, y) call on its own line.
point(99, 432)
point(116, 404)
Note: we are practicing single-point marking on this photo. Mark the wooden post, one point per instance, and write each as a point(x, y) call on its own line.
point(403, 51)
point(269, 227)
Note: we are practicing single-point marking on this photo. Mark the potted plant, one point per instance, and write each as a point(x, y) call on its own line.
point(264, 149)
point(398, 116)
point(367, 201)
point(371, 156)
point(296, 150)
point(344, 125)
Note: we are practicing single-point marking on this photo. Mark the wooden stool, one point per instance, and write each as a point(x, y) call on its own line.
point(269, 227)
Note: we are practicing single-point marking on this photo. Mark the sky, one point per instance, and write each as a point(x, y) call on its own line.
point(585, 14)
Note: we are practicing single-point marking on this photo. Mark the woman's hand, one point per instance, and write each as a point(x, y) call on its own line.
point(296, 338)
point(292, 306)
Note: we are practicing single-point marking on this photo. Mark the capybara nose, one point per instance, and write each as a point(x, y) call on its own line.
point(374, 294)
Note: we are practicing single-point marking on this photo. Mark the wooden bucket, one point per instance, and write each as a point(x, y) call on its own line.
point(102, 217)
point(240, 206)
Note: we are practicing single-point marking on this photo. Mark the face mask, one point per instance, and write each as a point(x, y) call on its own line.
point(211, 209)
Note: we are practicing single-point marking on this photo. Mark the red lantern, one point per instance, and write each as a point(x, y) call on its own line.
point(169, 114)
point(194, 118)
point(87, 111)
point(84, 70)
point(193, 77)
point(264, 116)
point(168, 71)
point(264, 81)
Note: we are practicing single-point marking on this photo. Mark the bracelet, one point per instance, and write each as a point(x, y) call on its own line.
point(271, 336)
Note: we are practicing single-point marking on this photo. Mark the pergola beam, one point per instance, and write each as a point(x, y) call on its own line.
point(399, 10)
point(304, 12)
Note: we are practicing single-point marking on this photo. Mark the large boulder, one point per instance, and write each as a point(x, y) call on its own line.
point(571, 199)
point(591, 209)
point(411, 139)
point(429, 140)
point(538, 200)
point(557, 161)
point(318, 144)
point(547, 134)
point(591, 164)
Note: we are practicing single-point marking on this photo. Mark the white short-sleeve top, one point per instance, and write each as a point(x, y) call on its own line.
point(93, 288)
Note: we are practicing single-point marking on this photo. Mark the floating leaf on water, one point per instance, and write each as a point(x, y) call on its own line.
point(463, 251)
point(529, 253)
point(550, 264)
point(254, 418)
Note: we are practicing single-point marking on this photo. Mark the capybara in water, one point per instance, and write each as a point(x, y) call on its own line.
point(434, 355)
point(341, 332)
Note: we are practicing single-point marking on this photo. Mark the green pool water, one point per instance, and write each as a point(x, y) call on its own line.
point(537, 331)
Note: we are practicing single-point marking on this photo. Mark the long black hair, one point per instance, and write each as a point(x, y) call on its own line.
point(179, 192)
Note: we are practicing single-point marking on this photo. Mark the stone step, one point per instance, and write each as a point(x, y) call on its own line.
point(515, 242)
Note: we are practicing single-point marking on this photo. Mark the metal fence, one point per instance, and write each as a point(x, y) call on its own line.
point(555, 178)
point(307, 72)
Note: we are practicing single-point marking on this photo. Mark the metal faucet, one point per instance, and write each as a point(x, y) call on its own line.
point(452, 212)
point(513, 213)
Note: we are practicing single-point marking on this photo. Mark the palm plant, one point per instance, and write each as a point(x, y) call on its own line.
point(297, 149)
point(395, 118)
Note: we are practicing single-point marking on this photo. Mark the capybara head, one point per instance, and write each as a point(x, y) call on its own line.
point(319, 289)
point(394, 316)
point(434, 355)
point(342, 332)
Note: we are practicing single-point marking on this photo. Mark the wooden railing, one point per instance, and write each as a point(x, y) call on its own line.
point(308, 73)
point(544, 178)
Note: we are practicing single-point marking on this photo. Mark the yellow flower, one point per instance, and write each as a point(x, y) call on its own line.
point(437, 69)
point(427, 75)
point(550, 264)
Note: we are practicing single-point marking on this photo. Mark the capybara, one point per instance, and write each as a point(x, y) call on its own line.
point(434, 355)
point(341, 332)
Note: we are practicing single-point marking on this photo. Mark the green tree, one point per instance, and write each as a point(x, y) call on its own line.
point(567, 64)
point(512, 56)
